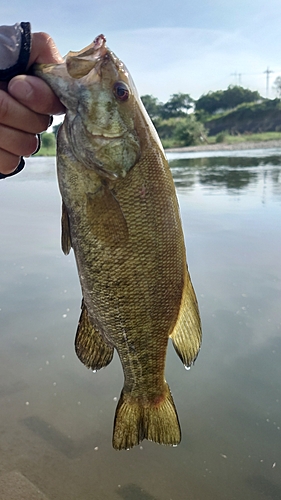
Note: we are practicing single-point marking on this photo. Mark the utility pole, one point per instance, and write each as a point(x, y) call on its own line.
point(267, 72)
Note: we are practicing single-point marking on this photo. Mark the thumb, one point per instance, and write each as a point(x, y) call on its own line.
point(43, 50)
point(31, 91)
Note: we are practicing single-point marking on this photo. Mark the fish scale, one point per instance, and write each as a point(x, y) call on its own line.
point(121, 217)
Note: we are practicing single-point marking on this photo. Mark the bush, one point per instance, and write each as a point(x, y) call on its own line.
point(221, 137)
point(185, 131)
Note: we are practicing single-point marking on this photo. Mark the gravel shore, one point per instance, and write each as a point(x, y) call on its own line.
point(228, 147)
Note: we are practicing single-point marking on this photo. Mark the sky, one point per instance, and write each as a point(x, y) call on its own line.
point(169, 46)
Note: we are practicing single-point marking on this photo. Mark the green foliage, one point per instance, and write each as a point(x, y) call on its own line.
point(277, 86)
point(48, 144)
point(221, 137)
point(56, 129)
point(226, 99)
point(175, 126)
point(152, 106)
point(177, 106)
point(48, 140)
point(181, 131)
point(189, 131)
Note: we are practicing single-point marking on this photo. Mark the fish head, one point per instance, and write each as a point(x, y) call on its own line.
point(102, 108)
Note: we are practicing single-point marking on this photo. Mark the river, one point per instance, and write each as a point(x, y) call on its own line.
point(56, 416)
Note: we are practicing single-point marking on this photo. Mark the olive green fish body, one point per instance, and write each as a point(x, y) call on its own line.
point(120, 215)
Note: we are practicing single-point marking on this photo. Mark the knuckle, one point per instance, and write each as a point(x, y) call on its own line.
point(44, 122)
point(30, 145)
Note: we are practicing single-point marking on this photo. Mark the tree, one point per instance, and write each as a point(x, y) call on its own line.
point(56, 129)
point(277, 86)
point(152, 106)
point(178, 105)
point(226, 99)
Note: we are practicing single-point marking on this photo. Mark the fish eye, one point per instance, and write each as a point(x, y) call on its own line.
point(121, 91)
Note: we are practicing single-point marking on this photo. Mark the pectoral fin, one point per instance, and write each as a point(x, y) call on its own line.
point(186, 335)
point(106, 217)
point(65, 231)
point(91, 349)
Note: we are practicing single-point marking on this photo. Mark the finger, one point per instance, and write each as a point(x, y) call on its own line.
point(17, 142)
point(15, 115)
point(44, 50)
point(8, 162)
point(35, 94)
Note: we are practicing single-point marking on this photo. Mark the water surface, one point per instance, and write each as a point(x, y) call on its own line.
point(56, 416)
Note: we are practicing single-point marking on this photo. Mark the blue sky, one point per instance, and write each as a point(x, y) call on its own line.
point(169, 46)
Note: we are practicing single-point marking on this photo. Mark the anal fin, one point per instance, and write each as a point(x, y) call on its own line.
point(187, 335)
point(92, 350)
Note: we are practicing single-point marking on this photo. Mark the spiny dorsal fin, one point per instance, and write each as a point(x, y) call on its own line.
point(91, 349)
point(65, 231)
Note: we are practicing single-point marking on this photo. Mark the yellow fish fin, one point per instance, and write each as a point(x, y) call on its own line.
point(187, 335)
point(65, 231)
point(155, 421)
point(105, 213)
point(91, 349)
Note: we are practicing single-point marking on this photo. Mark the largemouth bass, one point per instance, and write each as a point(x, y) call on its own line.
point(121, 217)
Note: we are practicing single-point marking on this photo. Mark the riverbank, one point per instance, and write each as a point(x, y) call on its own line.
point(220, 146)
point(229, 147)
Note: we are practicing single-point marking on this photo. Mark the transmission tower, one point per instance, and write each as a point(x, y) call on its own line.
point(267, 72)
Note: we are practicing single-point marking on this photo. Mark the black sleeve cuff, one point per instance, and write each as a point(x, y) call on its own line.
point(16, 69)
point(20, 66)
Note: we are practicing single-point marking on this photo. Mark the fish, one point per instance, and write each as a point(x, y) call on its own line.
point(120, 214)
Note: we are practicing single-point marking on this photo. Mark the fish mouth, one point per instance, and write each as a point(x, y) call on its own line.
point(79, 64)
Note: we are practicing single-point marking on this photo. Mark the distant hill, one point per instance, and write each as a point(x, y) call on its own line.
point(254, 117)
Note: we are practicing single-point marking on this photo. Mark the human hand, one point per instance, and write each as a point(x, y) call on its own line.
point(26, 104)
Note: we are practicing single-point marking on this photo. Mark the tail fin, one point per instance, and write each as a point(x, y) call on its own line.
point(135, 421)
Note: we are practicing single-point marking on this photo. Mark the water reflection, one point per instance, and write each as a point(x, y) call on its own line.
point(56, 416)
point(233, 173)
